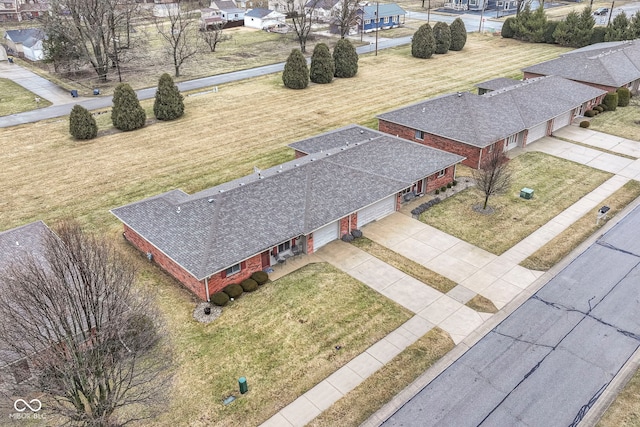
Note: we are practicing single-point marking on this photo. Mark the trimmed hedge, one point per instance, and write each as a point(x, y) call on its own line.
point(442, 35)
point(598, 108)
point(220, 299)
point(249, 285)
point(296, 72)
point(233, 290)
point(624, 95)
point(604, 107)
point(611, 101)
point(356, 233)
point(260, 277)
point(423, 43)
point(127, 114)
point(345, 59)
point(507, 30)
point(322, 66)
point(585, 124)
point(82, 125)
point(423, 207)
point(458, 35)
point(589, 113)
point(169, 102)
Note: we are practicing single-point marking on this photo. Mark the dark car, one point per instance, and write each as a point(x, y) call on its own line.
point(601, 11)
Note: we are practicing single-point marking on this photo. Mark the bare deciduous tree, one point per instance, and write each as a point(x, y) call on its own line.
point(345, 16)
point(213, 35)
point(180, 33)
point(91, 27)
point(300, 12)
point(494, 175)
point(92, 342)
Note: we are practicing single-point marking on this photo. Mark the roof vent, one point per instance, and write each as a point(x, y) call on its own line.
point(17, 243)
point(311, 159)
point(341, 148)
point(296, 165)
point(241, 184)
point(328, 154)
point(361, 131)
point(279, 170)
point(424, 109)
point(459, 94)
point(178, 210)
point(222, 191)
point(210, 200)
point(260, 177)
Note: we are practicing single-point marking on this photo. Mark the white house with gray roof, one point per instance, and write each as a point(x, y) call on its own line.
point(607, 66)
point(222, 235)
point(510, 116)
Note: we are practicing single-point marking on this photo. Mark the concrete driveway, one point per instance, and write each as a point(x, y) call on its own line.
point(36, 84)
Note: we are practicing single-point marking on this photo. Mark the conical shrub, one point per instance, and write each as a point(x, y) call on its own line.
point(127, 114)
point(458, 35)
point(168, 104)
point(322, 66)
point(82, 125)
point(296, 72)
point(442, 35)
point(423, 43)
point(345, 58)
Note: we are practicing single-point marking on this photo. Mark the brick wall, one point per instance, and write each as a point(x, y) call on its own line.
point(310, 249)
point(219, 280)
point(470, 152)
point(299, 154)
point(346, 226)
point(433, 182)
point(216, 282)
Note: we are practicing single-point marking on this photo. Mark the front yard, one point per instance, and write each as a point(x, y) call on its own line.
point(624, 122)
point(557, 183)
point(282, 338)
point(16, 99)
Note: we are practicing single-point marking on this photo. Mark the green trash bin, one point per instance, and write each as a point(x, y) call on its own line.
point(242, 382)
point(526, 193)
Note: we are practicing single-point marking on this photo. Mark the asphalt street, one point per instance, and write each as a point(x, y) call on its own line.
point(549, 361)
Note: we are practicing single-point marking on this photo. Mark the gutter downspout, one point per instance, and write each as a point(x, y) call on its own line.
point(206, 287)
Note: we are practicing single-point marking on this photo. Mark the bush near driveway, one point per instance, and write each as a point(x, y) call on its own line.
point(296, 72)
point(558, 183)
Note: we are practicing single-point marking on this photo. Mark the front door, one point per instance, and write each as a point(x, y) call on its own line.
point(266, 259)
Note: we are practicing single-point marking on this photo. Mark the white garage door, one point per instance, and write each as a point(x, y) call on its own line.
point(562, 121)
point(537, 132)
point(377, 210)
point(324, 235)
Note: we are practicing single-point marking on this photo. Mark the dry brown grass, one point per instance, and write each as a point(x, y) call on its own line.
point(282, 338)
point(222, 135)
point(407, 266)
point(624, 122)
point(560, 246)
point(558, 183)
point(378, 389)
point(480, 303)
point(625, 410)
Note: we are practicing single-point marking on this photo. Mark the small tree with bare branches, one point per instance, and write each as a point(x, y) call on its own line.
point(345, 16)
point(213, 35)
point(300, 13)
point(94, 347)
point(179, 32)
point(493, 176)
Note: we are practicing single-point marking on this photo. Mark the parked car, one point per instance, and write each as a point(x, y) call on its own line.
point(601, 11)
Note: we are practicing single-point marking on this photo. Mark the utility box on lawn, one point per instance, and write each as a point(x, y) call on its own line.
point(526, 193)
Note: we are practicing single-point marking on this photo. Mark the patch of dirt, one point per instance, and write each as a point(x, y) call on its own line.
point(488, 211)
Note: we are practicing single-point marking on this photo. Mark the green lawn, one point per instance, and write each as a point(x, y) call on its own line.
point(16, 99)
point(282, 338)
point(557, 183)
point(624, 122)
point(382, 386)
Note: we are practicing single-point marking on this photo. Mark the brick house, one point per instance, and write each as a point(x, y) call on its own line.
point(509, 114)
point(607, 66)
point(222, 235)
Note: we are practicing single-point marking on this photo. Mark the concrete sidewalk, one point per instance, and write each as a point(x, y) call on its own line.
point(476, 271)
point(36, 84)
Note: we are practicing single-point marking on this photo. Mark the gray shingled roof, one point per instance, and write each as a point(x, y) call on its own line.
point(499, 83)
point(27, 37)
point(543, 98)
point(333, 139)
point(221, 226)
point(258, 13)
point(390, 9)
point(14, 244)
point(610, 66)
point(481, 120)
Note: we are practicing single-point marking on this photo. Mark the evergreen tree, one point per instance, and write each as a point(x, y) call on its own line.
point(458, 35)
point(549, 30)
point(442, 35)
point(598, 35)
point(169, 103)
point(634, 26)
point(521, 23)
point(618, 29)
point(322, 66)
point(507, 28)
point(82, 125)
point(345, 58)
point(296, 72)
point(576, 30)
point(127, 114)
point(423, 44)
point(611, 101)
point(624, 94)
